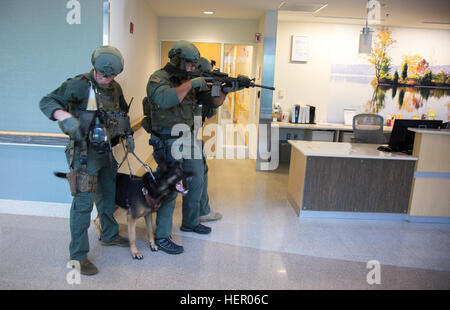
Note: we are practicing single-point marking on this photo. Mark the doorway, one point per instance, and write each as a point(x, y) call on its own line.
point(228, 129)
point(235, 116)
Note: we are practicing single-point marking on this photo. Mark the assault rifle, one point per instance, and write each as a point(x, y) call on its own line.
point(219, 79)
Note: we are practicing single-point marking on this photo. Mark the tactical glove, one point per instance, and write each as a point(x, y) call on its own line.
point(71, 127)
point(129, 144)
point(199, 83)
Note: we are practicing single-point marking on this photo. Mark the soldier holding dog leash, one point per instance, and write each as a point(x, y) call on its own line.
point(91, 109)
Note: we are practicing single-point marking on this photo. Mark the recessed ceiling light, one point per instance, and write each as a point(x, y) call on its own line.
point(208, 12)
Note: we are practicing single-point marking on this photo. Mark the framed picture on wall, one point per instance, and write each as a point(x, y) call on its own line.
point(300, 48)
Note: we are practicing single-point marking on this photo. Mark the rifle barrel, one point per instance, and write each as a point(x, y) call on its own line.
point(262, 86)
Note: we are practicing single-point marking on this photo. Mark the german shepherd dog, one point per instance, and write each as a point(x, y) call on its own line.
point(141, 196)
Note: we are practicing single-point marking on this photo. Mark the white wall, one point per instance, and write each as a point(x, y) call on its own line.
point(207, 30)
point(309, 82)
point(141, 57)
point(304, 83)
point(140, 49)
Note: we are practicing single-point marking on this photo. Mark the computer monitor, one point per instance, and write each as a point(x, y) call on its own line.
point(402, 139)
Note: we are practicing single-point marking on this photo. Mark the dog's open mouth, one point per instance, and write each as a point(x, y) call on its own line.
point(180, 188)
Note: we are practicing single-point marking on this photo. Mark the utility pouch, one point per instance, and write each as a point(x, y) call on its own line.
point(86, 183)
point(147, 121)
point(81, 182)
point(146, 106)
point(119, 126)
point(147, 124)
point(72, 178)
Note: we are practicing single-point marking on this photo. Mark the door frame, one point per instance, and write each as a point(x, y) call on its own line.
point(254, 101)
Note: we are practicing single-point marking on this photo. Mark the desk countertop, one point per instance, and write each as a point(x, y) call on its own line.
point(321, 126)
point(431, 131)
point(346, 150)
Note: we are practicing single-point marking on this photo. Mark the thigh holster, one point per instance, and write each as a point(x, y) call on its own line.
point(80, 181)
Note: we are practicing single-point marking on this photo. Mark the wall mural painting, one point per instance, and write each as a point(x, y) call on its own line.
point(413, 89)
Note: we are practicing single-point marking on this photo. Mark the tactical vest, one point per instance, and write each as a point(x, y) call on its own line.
point(162, 120)
point(115, 121)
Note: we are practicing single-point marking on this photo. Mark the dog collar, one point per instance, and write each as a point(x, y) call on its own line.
point(150, 201)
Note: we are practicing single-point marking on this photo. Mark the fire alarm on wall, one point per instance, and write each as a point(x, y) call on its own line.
point(257, 37)
point(131, 27)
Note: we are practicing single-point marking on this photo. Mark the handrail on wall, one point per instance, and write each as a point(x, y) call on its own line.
point(43, 138)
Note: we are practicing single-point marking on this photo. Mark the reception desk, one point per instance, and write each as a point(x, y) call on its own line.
point(297, 131)
point(430, 195)
point(348, 177)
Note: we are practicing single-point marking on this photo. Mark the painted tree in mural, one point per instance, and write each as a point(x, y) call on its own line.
point(405, 71)
point(395, 77)
point(378, 56)
point(416, 65)
point(442, 78)
point(423, 67)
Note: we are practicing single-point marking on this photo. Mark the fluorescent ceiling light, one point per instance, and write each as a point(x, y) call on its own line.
point(305, 7)
point(208, 12)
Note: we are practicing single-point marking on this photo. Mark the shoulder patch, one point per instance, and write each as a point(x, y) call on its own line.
point(155, 79)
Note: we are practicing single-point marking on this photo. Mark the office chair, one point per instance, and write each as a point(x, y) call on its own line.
point(368, 128)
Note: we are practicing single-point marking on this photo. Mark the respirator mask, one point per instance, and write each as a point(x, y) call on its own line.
point(98, 138)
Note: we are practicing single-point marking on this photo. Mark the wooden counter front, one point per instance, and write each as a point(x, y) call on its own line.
point(431, 185)
point(348, 177)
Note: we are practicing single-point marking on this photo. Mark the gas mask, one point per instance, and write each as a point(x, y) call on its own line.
point(98, 138)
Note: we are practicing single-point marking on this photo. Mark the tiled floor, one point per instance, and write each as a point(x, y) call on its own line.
point(259, 244)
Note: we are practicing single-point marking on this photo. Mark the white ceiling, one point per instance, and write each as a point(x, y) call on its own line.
point(400, 13)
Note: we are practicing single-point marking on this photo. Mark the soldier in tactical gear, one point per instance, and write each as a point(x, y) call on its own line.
point(174, 99)
point(206, 215)
point(91, 109)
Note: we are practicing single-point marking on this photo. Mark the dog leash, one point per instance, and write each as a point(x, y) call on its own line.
point(125, 157)
point(150, 201)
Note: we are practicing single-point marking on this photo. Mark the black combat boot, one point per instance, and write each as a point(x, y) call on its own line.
point(199, 229)
point(168, 246)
